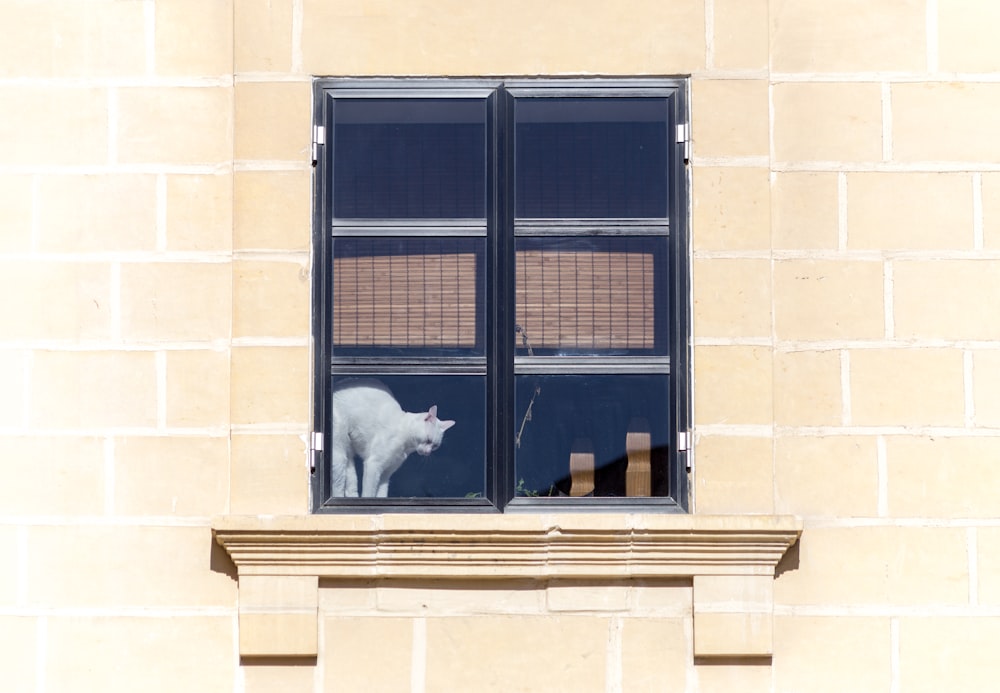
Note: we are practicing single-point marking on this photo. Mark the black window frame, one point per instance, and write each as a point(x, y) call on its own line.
point(498, 231)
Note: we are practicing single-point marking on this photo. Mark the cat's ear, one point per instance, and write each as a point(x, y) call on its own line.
point(445, 425)
point(432, 413)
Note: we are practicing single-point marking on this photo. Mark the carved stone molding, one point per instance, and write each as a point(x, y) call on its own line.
point(731, 560)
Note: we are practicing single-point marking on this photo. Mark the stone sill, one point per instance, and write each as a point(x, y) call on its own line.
point(731, 560)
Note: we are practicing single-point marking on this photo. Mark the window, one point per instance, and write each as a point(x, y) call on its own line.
point(511, 257)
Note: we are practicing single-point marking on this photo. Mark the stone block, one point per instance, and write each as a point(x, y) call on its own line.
point(199, 212)
point(176, 125)
point(19, 652)
point(732, 615)
point(124, 566)
point(941, 121)
point(829, 476)
point(817, 36)
point(16, 213)
point(733, 385)
point(33, 126)
point(827, 121)
point(878, 565)
point(14, 372)
point(94, 213)
point(274, 121)
point(171, 476)
point(348, 597)
point(11, 570)
point(942, 477)
point(907, 387)
point(986, 395)
point(732, 297)
point(729, 117)
point(51, 476)
point(730, 208)
point(176, 301)
point(368, 653)
point(987, 561)
point(55, 300)
point(828, 299)
point(807, 388)
point(272, 210)
point(271, 298)
point(552, 653)
point(583, 596)
point(832, 654)
point(909, 211)
point(64, 38)
point(270, 385)
point(197, 391)
point(263, 36)
point(655, 654)
point(279, 616)
point(740, 40)
point(436, 598)
point(963, 654)
point(296, 675)
point(746, 675)
point(734, 475)
point(991, 210)
point(194, 38)
point(945, 299)
point(96, 654)
point(964, 40)
point(804, 211)
point(88, 389)
point(269, 474)
point(435, 37)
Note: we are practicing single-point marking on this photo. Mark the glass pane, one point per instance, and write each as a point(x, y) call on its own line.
point(409, 159)
point(413, 296)
point(581, 296)
point(592, 435)
point(591, 157)
point(379, 423)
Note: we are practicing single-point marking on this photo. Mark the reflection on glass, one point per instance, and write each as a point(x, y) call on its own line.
point(409, 159)
point(407, 436)
point(591, 296)
point(591, 157)
point(591, 435)
point(414, 296)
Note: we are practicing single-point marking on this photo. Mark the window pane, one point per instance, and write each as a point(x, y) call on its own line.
point(591, 157)
point(592, 435)
point(414, 296)
point(598, 295)
point(409, 159)
point(371, 433)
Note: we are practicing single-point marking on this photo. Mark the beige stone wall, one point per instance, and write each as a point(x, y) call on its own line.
point(155, 354)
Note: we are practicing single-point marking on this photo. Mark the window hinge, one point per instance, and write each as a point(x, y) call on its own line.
point(319, 138)
point(682, 441)
point(684, 137)
point(315, 448)
point(684, 445)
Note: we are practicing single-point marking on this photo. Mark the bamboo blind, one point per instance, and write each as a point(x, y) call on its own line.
point(413, 300)
point(586, 299)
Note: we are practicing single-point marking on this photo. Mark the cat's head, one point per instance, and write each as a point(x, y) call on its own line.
point(434, 429)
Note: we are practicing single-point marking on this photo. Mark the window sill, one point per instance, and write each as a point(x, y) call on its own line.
point(730, 559)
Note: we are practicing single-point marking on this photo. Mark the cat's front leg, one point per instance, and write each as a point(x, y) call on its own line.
point(371, 481)
point(338, 472)
point(351, 480)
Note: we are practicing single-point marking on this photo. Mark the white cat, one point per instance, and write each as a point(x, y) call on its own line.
point(369, 423)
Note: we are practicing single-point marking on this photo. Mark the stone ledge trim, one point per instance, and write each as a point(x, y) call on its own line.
point(540, 546)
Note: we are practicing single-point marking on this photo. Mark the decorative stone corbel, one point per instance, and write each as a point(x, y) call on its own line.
point(730, 559)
